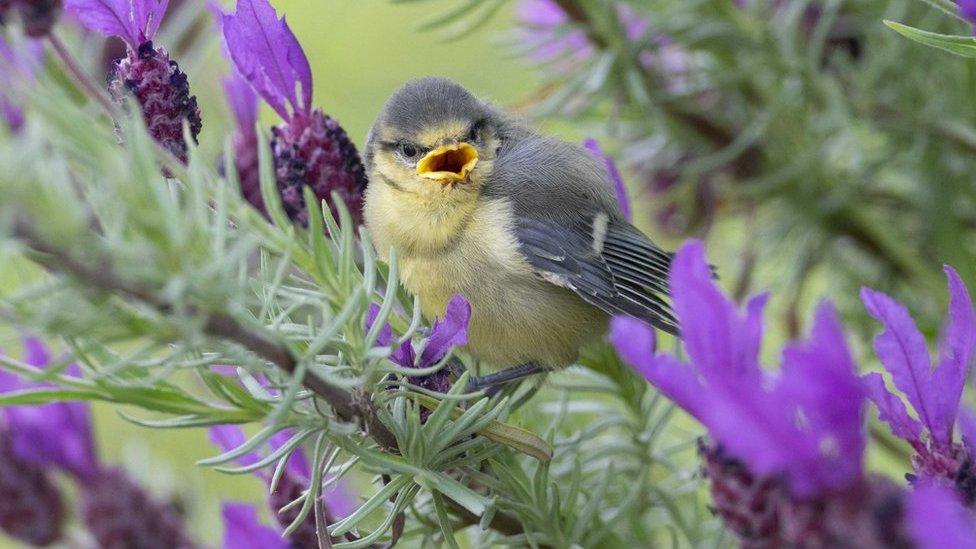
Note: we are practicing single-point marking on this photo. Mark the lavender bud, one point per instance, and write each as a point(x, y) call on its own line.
point(313, 150)
point(162, 90)
point(120, 514)
point(30, 504)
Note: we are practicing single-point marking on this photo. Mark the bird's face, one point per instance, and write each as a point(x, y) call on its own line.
point(445, 160)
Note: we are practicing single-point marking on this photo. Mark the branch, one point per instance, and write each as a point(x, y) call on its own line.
point(348, 406)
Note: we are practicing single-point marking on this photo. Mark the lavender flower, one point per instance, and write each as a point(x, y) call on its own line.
point(934, 394)
point(244, 105)
point(785, 454)
point(18, 62)
point(339, 501)
point(551, 35)
point(147, 72)
point(545, 36)
point(967, 10)
point(243, 530)
point(618, 183)
point(937, 519)
point(31, 509)
point(445, 334)
point(310, 149)
point(117, 511)
point(120, 513)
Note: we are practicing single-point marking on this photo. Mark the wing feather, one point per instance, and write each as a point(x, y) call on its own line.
point(624, 273)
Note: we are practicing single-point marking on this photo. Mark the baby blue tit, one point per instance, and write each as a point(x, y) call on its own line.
point(525, 226)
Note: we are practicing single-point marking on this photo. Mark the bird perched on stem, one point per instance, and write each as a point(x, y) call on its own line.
point(525, 226)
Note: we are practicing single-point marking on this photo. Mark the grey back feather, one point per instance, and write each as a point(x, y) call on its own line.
point(549, 179)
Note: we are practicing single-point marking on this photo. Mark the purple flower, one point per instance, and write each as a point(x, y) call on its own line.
point(147, 72)
point(618, 183)
point(784, 458)
point(446, 333)
point(243, 529)
point(31, 509)
point(545, 35)
point(934, 394)
point(57, 434)
point(120, 513)
point(937, 519)
point(339, 499)
point(310, 149)
point(114, 508)
point(18, 62)
point(753, 416)
point(967, 10)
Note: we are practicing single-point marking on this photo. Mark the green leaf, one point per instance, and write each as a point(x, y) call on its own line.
point(514, 437)
point(461, 494)
point(959, 45)
point(36, 397)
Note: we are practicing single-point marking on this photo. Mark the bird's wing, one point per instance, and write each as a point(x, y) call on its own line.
point(608, 263)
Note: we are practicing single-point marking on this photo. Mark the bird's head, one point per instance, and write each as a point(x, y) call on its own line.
point(433, 139)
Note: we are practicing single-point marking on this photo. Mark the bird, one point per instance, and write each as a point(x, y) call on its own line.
point(525, 226)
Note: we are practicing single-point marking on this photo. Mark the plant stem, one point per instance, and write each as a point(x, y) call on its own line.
point(80, 76)
point(347, 405)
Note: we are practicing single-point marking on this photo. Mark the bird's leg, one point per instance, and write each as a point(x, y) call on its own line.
point(493, 383)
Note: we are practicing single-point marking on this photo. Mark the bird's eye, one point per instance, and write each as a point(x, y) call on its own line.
point(408, 150)
point(474, 134)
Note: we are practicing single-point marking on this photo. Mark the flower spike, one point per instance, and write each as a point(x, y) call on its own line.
point(935, 394)
point(310, 149)
point(147, 72)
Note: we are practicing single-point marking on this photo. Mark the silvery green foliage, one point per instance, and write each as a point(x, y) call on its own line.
point(152, 282)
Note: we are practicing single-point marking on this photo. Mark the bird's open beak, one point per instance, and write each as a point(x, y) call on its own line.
point(448, 163)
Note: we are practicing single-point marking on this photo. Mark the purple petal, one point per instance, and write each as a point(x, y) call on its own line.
point(967, 10)
point(341, 500)
point(13, 116)
point(966, 420)
point(243, 529)
point(229, 437)
point(243, 103)
point(386, 334)
point(451, 331)
point(901, 348)
point(719, 341)
point(267, 54)
point(955, 357)
point(135, 21)
point(819, 380)
point(403, 355)
point(147, 15)
point(618, 183)
point(892, 411)
point(634, 341)
point(936, 519)
point(59, 433)
point(298, 464)
point(35, 352)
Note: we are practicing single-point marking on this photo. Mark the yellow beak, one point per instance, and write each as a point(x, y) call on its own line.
point(448, 163)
